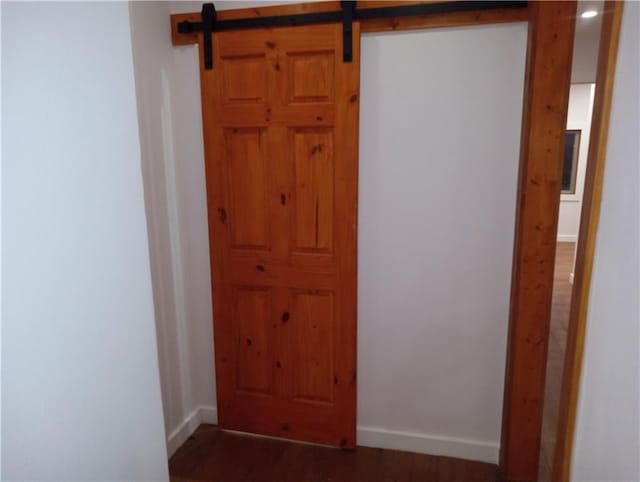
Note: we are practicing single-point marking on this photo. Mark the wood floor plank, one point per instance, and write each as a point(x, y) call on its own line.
point(196, 449)
point(226, 462)
point(297, 464)
point(396, 466)
point(458, 470)
point(425, 468)
point(361, 465)
point(214, 455)
point(264, 455)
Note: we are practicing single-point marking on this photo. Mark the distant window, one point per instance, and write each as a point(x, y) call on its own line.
point(570, 162)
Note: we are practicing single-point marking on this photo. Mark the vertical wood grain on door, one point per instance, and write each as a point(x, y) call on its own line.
point(280, 112)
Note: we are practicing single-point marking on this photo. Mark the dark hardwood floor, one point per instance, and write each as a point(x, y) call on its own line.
point(555, 361)
point(213, 455)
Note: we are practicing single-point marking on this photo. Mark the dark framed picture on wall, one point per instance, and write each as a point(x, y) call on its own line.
point(570, 161)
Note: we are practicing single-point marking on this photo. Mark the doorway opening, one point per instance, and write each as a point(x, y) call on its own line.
point(574, 166)
point(595, 51)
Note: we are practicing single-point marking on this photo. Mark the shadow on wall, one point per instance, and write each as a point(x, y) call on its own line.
point(173, 173)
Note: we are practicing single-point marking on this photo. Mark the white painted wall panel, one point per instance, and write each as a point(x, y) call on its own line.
point(168, 91)
point(439, 147)
point(81, 389)
point(579, 117)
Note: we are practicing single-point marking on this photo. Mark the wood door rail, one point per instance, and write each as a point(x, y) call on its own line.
point(480, 14)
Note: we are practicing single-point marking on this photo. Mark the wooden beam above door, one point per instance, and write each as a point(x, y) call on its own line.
point(450, 19)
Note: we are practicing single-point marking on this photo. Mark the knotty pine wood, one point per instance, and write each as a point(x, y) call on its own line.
point(441, 20)
point(214, 455)
point(546, 99)
point(454, 19)
point(280, 120)
point(608, 53)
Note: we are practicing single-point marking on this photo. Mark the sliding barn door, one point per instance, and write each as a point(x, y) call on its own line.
point(280, 110)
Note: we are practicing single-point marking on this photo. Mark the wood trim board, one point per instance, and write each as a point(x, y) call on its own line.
point(546, 100)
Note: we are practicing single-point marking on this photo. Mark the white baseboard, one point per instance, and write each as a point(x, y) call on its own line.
point(366, 436)
point(189, 425)
point(208, 415)
point(428, 444)
point(567, 238)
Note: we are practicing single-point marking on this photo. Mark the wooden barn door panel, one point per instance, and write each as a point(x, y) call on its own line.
point(280, 111)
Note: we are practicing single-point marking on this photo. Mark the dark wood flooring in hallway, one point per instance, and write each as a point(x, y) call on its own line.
point(213, 455)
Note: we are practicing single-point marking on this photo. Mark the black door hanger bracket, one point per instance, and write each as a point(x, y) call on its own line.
point(347, 15)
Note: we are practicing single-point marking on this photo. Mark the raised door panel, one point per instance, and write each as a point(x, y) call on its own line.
point(310, 76)
point(252, 315)
point(244, 79)
point(248, 187)
point(312, 150)
point(312, 345)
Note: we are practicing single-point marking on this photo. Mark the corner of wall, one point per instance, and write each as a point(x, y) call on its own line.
point(171, 145)
point(200, 415)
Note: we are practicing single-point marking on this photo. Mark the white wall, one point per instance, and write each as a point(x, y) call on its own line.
point(438, 224)
point(81, 390)
point(585, 53)
point(440, 118)
point(168, 90)
point(606, 445)
point(579, 117)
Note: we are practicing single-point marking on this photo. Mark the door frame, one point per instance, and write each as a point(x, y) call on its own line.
point(546, 98)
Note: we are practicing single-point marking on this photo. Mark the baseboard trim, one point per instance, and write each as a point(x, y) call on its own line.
point(200, 415)
point(428, 444)
point(567, 238)
point(366, 436)
point(208, 415)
